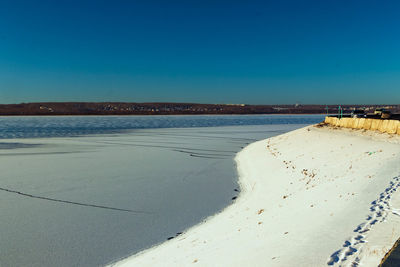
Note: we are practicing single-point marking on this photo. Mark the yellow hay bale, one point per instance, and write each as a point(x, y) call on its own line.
point(328, 120)
point(360, 124)
point(392, 126)
point(353, 122)
point(383, 126)
point(335, 122)
point(348, 122)
point(367, 124)
point(342, 122)
point(375, 124)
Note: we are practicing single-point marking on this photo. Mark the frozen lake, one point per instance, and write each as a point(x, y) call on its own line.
point(92, 190)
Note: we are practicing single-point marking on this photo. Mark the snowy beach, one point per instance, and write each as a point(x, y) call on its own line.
point(310, 197)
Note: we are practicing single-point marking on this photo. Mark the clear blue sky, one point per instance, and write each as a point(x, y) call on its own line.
point(255, 52)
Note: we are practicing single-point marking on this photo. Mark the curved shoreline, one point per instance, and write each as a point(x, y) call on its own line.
point(324, 181)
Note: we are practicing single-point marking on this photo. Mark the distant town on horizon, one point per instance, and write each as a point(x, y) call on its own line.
point(168, 108)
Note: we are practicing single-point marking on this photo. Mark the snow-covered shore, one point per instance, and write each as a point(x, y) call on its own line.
point(311, 197)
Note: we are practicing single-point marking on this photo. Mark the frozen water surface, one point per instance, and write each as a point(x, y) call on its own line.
point(59, 126)
point(130, 184)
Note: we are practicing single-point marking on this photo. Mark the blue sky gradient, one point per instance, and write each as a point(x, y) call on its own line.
point(254, 52)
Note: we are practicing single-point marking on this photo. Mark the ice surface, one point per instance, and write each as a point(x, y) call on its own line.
point(62, 126)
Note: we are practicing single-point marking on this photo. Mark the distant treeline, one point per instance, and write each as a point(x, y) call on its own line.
point(121, 108)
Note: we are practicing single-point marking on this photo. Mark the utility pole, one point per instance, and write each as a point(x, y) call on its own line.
point(340, 112)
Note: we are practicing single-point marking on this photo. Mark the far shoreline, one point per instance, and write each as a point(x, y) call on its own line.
point(152, 115)
point(178, 108)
